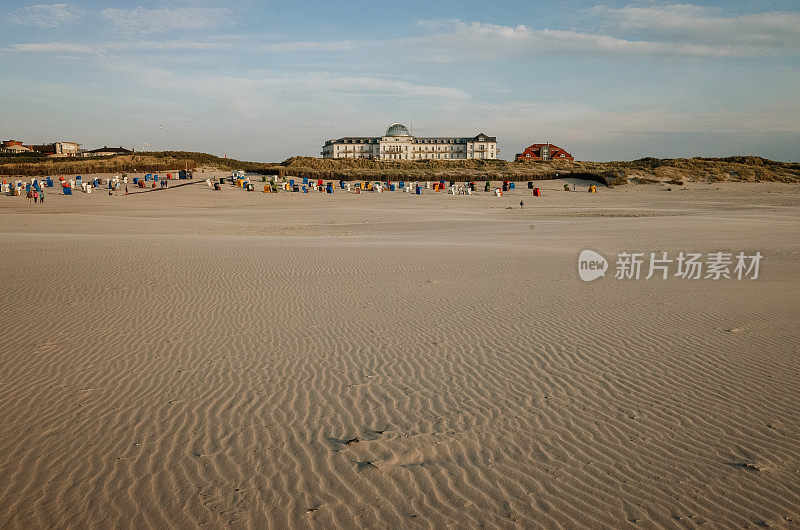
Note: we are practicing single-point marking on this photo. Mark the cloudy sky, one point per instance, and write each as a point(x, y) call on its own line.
point(265, 80)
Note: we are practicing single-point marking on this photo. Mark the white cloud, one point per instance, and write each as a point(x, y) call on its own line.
point(378, 85)
point(53, 47)
point(229, 43)
point(298, 86)
point(114, 47)
point(45, 15)
point(679, 31)
point(306, 46)
point(163, 19)
point(758, 33)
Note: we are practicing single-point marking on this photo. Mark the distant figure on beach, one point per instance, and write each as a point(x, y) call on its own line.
point(126, 189)
point(41, 197)
point(29, 195)
point(566, 187)
point(573, 187)
point(521, 204)
point(35, 197)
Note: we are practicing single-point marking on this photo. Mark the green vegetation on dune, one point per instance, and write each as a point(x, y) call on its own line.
point(730, 169)
point(460, 170)
point(207, 160)
point(149, 162)
point(645, 170)
point(672, 171)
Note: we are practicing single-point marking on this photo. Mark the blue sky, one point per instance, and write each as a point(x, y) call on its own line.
point(268, 80)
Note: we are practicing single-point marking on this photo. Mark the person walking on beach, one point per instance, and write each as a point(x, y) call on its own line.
point(41, 197)
point(35, 197)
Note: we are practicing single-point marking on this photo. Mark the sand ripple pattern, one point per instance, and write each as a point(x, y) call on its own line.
point(379, 382)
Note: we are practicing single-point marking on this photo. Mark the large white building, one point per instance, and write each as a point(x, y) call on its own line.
point(399, 144)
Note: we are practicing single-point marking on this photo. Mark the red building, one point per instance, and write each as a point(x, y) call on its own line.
point(13, 146)
point(544, 152)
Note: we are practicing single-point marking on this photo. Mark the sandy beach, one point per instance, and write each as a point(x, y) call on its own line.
point(189, 357)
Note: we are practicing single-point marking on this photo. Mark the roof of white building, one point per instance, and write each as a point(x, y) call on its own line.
point(399, 130)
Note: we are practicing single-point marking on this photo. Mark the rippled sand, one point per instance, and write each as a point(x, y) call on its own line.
point(186, 357)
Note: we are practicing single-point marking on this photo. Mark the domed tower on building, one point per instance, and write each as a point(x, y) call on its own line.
point(397, 129)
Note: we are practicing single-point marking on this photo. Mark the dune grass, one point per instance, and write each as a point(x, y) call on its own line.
point(645, 170)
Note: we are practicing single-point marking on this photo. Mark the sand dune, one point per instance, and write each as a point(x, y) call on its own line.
point(187, 358)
